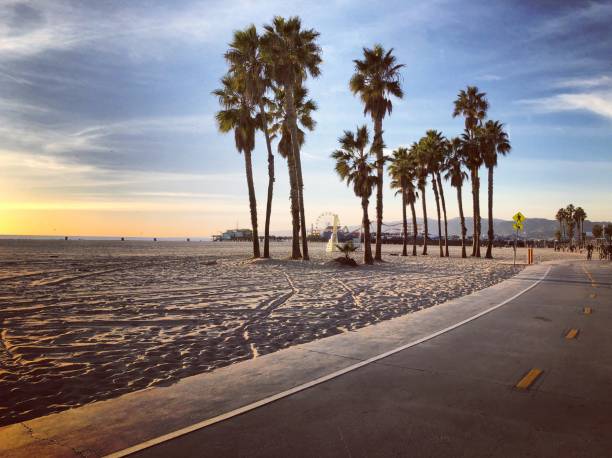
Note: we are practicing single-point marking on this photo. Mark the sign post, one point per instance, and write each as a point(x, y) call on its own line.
point(519, 219)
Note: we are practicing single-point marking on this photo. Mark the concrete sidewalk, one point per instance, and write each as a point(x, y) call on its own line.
point(108, 426)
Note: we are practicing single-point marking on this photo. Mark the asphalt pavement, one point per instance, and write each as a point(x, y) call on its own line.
point(531, 378)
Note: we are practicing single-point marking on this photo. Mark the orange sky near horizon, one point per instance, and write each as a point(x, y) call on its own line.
point(95, 223)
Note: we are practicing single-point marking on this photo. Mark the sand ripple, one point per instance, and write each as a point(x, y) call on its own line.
point(85, 321)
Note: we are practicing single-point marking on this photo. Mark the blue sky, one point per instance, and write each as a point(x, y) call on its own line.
point(107, 122)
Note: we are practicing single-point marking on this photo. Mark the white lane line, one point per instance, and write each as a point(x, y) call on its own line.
point(305, 386)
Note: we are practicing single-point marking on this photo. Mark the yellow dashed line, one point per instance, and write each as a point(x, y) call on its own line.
point(587, 310)
point(592, 295)
point(593, 284)
point(572, 333)
point(528, 379)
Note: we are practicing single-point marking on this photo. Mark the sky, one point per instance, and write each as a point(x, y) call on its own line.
point(107, 119)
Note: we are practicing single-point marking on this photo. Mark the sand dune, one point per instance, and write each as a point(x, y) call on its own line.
point(85, 321)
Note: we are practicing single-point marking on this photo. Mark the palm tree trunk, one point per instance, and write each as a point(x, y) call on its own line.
point(414, 229)
point(444, 214)
point(462, 218)
point(562, 229)
point(405, 223)
point(490, 234)
point(292, 120)
point(295, 209)
point(425, 225)
point(476, 202)
point(264, 122)
point(367, 251)
point(377, 146)
point(252, 202)
point(437, 196)
point(473, 179)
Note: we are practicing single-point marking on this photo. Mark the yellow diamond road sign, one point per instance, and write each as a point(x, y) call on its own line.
point(519, 218)
point(517, 226)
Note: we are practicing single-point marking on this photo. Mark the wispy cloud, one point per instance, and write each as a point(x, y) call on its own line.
point(592, 94)
point(586, 82)
point(599, 103)
point(489, 77)
point(591, 12)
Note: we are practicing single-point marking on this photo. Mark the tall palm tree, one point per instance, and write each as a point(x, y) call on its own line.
point(280, 129)
point(579, 217)
point(238, 114)
point(495, 143)
point(402, 176)
point(245, 60)
point(376, 79)
point(411, 197)
point(354, 165)
point(473, 106)
point(569, 221)
point(292, 54)
point(432, 147)
point(560, 216)
point(455, 161)
point(421, 174)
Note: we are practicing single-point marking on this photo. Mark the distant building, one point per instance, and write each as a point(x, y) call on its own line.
point(234, 235)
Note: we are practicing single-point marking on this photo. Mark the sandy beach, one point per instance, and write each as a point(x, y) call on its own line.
point(83, 321)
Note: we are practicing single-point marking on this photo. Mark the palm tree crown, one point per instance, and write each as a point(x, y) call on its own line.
point(472, 105)
point(353, 164)
point(280, 128)
point(455, 160)
point(432, 147)
point(245, 58)
point(402, 171)
point(494, 142)
point(291, 51)
point(377, 77)
point(237, 113)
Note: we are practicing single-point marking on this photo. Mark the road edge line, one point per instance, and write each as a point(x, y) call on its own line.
point(283, 394)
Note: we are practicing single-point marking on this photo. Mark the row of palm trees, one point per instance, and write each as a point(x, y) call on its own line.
point(264, 90)
point(432, 158)
point(570, 218)
point(599, 230)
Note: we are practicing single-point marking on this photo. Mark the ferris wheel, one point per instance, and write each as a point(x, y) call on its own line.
point(325, 220)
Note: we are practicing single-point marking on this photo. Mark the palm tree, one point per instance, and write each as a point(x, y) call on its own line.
point(560, 216)
point(473, 106)
point(411, 197)
point(245, 60)
point(410, 170)
point(280, 129)
point(495, 143)
point(569, 221)
point(292, 54)
point(376, 78)
point(442, 159)
point(597, 230)
point(455, 161)
point(580, 216)
point(401, 171)
point(353, 165)
point(238, 114)
point(421, 174)
point(432, 147)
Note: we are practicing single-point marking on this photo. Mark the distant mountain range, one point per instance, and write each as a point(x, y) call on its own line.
point(539, 228)
point(534, 227)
